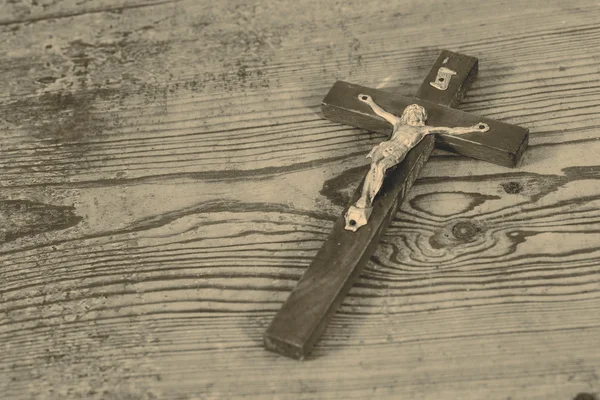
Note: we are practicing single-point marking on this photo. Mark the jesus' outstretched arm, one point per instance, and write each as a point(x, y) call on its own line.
point(480, 127)
point(389, 117)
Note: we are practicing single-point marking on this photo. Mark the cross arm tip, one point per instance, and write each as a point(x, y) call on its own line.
point(278, 345)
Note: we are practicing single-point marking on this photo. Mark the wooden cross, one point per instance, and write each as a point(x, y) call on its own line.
point(337, 265)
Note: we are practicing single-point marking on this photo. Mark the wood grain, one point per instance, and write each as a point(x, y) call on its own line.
point(193, 181)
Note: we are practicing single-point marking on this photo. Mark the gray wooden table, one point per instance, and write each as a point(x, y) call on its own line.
point(166, 178)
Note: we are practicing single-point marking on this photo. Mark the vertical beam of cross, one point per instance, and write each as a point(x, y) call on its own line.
point(338, 264)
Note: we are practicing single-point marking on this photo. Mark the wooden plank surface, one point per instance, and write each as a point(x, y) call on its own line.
point(166, 178)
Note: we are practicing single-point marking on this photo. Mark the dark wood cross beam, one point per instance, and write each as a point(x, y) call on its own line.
point(339, 262)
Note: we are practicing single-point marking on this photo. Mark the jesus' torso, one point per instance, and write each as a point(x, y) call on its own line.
point(404, 138)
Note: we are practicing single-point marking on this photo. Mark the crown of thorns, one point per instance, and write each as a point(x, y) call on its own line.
point(414, 109)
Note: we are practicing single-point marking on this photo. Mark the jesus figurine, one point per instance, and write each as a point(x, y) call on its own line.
point(407, 131)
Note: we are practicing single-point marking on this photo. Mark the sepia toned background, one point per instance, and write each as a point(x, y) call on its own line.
point(166, 177)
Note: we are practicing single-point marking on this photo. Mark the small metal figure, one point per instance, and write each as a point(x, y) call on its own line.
point(408, 130)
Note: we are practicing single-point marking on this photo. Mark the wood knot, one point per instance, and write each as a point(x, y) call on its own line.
point(585, 396)
point(465, 231)
point(512, 187)
point(457, 233)
point(26, 218)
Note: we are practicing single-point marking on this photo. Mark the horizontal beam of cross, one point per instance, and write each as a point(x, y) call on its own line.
point(503, 144)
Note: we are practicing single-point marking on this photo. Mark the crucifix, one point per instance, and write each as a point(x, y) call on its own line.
point(424, 121)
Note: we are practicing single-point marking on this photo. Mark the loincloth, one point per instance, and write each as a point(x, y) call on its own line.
point(391, 151)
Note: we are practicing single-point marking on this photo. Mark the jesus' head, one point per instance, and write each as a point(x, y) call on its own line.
point(414, 115)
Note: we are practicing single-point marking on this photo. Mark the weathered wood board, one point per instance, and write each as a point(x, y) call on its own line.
point(166, 177)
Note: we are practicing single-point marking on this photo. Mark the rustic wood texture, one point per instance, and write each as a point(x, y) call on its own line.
point(342, 257)
point(166, 178)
